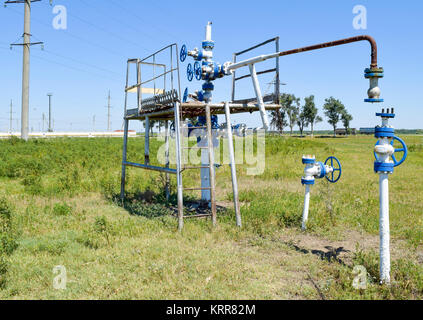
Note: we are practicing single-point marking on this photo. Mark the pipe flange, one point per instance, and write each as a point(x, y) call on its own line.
point(207, 45)
point(384, 132)
point(308, 182)
point(373, 73)
point(385, 115)
point(308, 160)
point(322, 170)
point(383, 167)
point(374, 100)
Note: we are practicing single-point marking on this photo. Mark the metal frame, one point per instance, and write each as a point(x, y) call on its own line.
point(168, 106)
point(276, 93)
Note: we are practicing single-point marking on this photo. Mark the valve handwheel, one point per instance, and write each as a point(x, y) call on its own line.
point(403, 149)
point(183, 54)
point(190, 72)
point(197, 70)
point(185, 98)
point(337, 168)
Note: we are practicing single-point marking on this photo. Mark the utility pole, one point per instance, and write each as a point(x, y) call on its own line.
point(50, 129)
point(11, 117)
point(108, 112)
point(94, 123)
point(25, 70)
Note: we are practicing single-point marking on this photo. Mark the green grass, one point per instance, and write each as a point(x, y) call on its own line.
point(58, 207)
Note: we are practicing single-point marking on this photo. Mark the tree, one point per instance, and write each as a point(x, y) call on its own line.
point(291, 106)
point(310, 112)
point(333, 111)
point(346, 118)
point(278, 119)
point(302, 121)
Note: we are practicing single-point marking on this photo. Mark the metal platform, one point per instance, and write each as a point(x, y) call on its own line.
point(162, 100)
point(192, 110)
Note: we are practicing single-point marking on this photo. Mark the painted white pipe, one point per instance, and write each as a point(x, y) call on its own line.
point(209, 31)
point(385, 258)
point(205, 174)
point(260, 101)
point(306, 206)
point(250, 61)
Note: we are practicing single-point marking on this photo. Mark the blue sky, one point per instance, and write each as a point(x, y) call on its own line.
point(81, 64)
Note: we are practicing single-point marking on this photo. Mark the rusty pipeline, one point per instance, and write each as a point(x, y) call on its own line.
point(370, 39)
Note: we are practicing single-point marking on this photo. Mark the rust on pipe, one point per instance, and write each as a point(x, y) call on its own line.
point(370, 39)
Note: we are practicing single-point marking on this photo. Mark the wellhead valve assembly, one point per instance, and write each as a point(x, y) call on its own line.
point(331, 170)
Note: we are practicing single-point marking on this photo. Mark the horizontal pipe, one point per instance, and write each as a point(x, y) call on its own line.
point(148, 167)
point(260, 58)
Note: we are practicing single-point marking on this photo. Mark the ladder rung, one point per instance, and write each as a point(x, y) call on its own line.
point(200, 127)
point(196, 148)
point(196, 167)
point(192, 189)
point(199, 215)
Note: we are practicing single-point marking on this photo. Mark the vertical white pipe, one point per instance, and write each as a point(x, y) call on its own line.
point(208, 31)
point(205, 173)
point(260, 101)
point(306, 205)
point(385, 258)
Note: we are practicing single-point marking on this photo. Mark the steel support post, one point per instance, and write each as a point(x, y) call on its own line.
point(124, 158)
point(179, 167)
point(211, 164)
point(147, 141)
point(233, 165)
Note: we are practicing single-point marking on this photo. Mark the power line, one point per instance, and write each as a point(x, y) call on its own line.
point(109, 16)
point(108, 32)
point(70, 67)
point(81, 62)
point(72, 35)
point(138, 17)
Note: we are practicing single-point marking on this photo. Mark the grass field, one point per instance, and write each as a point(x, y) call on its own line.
point(58, 207)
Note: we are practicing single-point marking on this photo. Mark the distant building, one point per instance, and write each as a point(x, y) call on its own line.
point(343, 131)
point(367, 130)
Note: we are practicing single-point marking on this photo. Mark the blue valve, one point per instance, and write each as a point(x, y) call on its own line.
point(197, 70)
point(190, 72)
point(403, 149)
point(333, 177)
point(185, 98)
point(184, 53)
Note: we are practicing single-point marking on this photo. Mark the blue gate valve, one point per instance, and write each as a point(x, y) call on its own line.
point(384, 149)
point(386, 160)
point(333, 178)
point(183, 54)
point(403, 149)
point(331, 169)
point(190, 72)
point(197, 70)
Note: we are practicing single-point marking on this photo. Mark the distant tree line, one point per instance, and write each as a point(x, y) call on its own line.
point(293, 113)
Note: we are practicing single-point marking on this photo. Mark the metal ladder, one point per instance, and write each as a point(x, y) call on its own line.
point(210, 166)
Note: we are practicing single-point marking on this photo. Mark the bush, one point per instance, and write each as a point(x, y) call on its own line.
point(62, 209)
